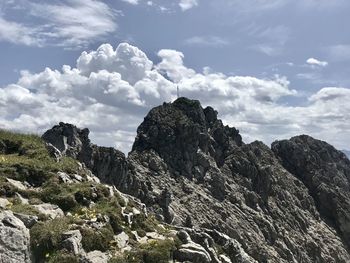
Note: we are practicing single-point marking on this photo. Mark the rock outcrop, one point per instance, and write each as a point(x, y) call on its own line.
point(14, 239)
point(325, 171)
point(194, 171)
point(106, 163)
point(237, 202)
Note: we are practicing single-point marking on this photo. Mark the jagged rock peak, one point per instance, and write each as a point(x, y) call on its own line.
point(107, 163)
point(178, 131)
point(67, 138)
point(325, 171)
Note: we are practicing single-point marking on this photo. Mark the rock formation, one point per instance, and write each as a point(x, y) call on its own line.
point(107, 163)
point(287, 203)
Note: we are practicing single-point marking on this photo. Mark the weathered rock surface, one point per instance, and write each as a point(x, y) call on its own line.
point(14, 239)
point(95, 257)
point(107, 163)
point(72, 242)
point(50, 210)
point(326, 173)
point(194, 171)
point(285, 204)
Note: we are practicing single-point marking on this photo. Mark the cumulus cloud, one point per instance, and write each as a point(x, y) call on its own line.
point(316, 62)
point(172, 65)
point(187, 4)
point(110, 91)
point(127, 60)
point(68, 23)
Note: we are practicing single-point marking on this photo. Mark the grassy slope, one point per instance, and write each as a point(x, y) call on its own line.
point(25, 158)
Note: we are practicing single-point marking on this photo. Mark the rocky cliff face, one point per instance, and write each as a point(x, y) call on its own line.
point(107, 163)
point(287, 203)
point(325, 172)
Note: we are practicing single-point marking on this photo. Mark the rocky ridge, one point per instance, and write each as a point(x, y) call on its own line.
point(220, 199)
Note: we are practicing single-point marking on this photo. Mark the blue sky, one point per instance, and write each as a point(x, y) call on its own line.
point(273, 68)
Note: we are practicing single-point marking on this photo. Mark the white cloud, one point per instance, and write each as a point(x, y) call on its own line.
point(211, 41)
point(127, 60)
point(17, 33)
point(172, 65)
point(102, 93)
point(187, 4)
point(132, 2)
point(272, 40)
point(316, 62)
point(68, 23)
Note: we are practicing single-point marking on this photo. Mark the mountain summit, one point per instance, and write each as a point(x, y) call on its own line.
point(226, 201)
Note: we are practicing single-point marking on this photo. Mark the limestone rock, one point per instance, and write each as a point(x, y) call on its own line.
point(64, 178)
point(244, 191)
point(14, 239)
point(4, 203)
point(17, 184)
point(72, 242)
point(28, 220)
point(52, 211)
point(122, 240)
point(107, 163)
point(192, 252)
point(95, 256)
point(326, 173)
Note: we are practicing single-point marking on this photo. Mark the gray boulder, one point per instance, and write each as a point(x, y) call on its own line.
point(95, 256)
point(72, 242)
point(192, 252)
point(14, 239)
point(52, 211)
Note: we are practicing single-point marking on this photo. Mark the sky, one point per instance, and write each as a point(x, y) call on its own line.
point(271, 68)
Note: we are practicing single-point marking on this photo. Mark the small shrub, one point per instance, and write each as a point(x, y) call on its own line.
point(60, 195)
point(62, 257)
point(97, 239)
point(116, 223)
point(45, 237)
point(141, 222)
point(159, 251)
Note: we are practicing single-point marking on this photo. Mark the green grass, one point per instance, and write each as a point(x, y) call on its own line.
point(26, 158)
point(62, 257)
point(97, 239)
point(45, 237)
point(155, 251)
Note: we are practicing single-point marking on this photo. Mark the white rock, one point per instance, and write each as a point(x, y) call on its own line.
point(193, 252)
point(23, 200)
point(122, 240)
point(52, 211)
point(95, 256)
point(155, 235)
point(77, 177)
point(135, 211)
point(225, 259)
point(17, 184)
point(64, 178)
point(14, 239)
point(3, 203)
